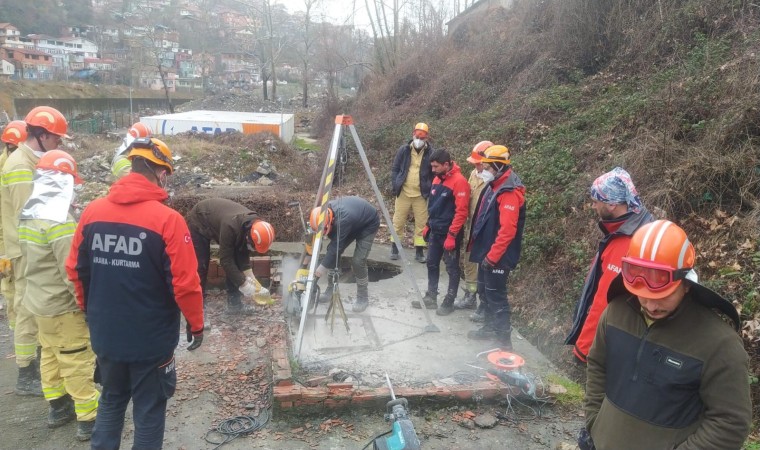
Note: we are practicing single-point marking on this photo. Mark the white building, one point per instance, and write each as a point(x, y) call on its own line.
point(7, 69)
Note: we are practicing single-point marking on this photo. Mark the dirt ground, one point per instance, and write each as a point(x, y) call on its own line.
point(229, 376)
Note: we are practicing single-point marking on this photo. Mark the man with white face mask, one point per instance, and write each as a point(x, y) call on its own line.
point(46, 127)
point(412, 177)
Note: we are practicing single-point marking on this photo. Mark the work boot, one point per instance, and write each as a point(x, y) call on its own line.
point(447, 307)
point(430, 300)
point(469, 301)
point(29, 381)
point(362, 296)
point(61, 411)
point(487, 333)
point(420, 255)
point(479, 315)
point(326, 296)
point(84, 430)
point(394, 252)
point(235, 307)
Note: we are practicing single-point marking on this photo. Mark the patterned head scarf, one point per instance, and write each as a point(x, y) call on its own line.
point(616, 187)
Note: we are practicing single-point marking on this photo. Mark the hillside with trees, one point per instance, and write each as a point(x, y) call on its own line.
point(667, 90)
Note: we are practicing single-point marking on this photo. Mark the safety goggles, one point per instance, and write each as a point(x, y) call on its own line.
point(656, 277)
point(148, 144)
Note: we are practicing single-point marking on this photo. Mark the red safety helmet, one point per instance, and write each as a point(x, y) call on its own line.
point(60, 161)
point(262, 236)
point(659, 257)
point(140, 130)
point(314, 219)
point(50, 119)
point(476, 156)
point(14, 133)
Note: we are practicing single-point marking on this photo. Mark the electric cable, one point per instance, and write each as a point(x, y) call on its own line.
point(234, 427)
point(384, 433)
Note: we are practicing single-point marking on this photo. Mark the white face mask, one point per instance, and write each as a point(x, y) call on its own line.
point(37, 153)
point(486, 176)
point(418, 143)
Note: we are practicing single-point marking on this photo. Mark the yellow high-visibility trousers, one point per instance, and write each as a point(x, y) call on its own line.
point(470, 269)
point(25, 332)
point(418, 207)
point(67, 363)
point(6, 289)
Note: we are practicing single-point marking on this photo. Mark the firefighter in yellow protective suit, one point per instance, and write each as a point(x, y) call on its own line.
point(477, 184)
point(13, 134)
point(46, 127)
point(46, 229)
point(121, 165)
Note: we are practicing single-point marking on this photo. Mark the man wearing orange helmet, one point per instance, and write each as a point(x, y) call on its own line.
point(615, 200)
point(121, 164)
point(411, 178)
point(134, 272)
point(46, 229)
point(13, 135)
point(477, 183)
point(237, 230)
point(496, 242)
point(348, 219)
point(667, 369)
point(46, 127)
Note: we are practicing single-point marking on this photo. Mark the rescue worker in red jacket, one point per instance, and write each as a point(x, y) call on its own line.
point(448, 205)
point(495, 243)
point(237, 230)
point(615, 200)
point(134, 271)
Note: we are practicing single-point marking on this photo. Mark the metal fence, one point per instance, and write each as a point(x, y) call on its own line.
point(101, 123)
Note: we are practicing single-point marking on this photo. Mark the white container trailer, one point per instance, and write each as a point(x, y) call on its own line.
point(217, 122)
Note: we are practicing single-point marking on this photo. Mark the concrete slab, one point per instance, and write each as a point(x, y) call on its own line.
point(390, 335)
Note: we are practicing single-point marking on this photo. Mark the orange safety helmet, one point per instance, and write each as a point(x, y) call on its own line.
point(60, 161)
point(496, 154)
point(152, 149)
point(477, 152)
point(314, 219)
point(659, 257)
point(50, 119)
point(421, 127)
point(140, 130)
point(14, 133)
point(262, 236)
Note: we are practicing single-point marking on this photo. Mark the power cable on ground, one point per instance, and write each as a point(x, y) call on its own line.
point(234, 427)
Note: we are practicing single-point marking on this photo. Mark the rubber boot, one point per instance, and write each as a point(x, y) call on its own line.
point(486, 333)
point(29, 381)
point(362, 295)
point(326, 296)
point(430, 300)
point(235, 307)
point(84, 430)
point(61, 412)
point(394, 252)
point(447, 307)
point(420, 255)
point(479, 315)
point(469, 301)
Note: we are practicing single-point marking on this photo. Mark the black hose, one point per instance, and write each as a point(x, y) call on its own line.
point(232, 428)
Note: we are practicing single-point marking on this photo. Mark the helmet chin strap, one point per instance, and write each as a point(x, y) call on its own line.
point(39, 142)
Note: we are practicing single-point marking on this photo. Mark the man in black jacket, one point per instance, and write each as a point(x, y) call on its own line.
point(412, 177)
point(347, 219)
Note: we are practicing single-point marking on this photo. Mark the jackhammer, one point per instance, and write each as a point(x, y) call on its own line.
point(297, 287)
point(402, 435)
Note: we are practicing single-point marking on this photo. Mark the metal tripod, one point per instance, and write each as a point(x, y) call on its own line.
point(342, 123)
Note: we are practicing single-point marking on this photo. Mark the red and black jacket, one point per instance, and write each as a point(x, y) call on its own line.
point(134, 269)
point(449, 202)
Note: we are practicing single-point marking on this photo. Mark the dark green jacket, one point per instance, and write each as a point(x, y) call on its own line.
point(681, 383)
point(226, 223)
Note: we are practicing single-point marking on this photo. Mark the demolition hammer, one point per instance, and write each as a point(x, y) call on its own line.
point(402, 435)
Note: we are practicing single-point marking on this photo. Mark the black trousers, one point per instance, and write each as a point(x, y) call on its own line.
point(492, 288)
point(450, 259)
point(202, 247)
point(149, 384)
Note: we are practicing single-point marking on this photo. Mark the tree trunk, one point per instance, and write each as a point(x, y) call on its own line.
point(166, 89)
point(305, 84)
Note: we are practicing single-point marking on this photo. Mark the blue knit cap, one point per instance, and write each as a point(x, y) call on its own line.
point(615, 187)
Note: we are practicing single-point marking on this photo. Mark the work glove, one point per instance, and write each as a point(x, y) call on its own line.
point(195, 339)
point(5, 266)
point(450, 243)
point(487, 264)
point(426, 233)
point(248, 288)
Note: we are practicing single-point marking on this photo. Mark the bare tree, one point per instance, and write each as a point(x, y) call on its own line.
point(305, 49)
